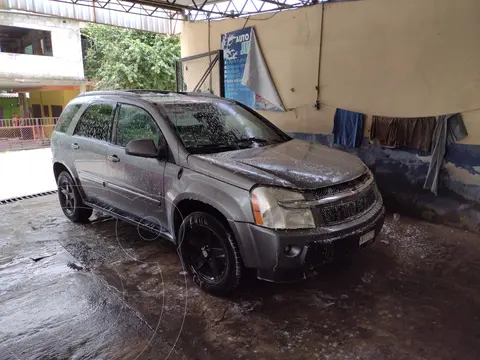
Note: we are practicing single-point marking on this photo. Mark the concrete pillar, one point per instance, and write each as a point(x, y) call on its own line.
point(22, 98)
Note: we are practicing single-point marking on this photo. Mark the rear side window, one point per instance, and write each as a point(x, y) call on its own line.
point(66, 117)
point(96, 122)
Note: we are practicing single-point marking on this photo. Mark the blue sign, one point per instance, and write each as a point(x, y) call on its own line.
point(236, 45)
point(235, 50)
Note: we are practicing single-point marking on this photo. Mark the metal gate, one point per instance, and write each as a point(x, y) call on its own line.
point(201, 73)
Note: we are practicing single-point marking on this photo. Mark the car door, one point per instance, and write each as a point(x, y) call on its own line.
point(136, 183)
point(89, 148)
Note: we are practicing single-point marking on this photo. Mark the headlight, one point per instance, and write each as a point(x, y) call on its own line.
point(268, 213)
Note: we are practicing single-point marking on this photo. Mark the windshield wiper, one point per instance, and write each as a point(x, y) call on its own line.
point(251, 139)
point(206, 147)
point(257, 140)
point(203, 146)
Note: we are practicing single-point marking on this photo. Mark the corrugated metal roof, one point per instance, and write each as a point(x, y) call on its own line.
point(160, 16)
point(116, 13)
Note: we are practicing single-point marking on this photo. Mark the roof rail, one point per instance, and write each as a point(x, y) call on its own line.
point(188, 93)
point(142, 91)
point(105, 92)
point(198, 93)
point(137, 92)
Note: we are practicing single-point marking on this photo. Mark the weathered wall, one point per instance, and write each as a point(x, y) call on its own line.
point(380, 57)
point(66, 62)
point(69, 95)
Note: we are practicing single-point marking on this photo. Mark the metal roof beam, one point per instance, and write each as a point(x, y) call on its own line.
point(279, 4)
point(160, 16)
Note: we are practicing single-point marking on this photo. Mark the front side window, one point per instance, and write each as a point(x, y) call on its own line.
point(96, 122)
point(66, 117)
point(135, 123)
point(220, 126)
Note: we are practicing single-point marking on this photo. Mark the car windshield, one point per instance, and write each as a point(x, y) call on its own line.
point(206, 127)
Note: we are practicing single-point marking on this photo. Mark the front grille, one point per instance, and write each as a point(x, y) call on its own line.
point(335, 189)
point(343, 211)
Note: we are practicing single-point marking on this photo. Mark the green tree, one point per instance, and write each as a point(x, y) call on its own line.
point(129, 59)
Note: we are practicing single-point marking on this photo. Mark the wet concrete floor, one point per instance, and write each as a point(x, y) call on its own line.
point(101, 291)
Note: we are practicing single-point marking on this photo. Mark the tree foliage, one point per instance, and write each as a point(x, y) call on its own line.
point(130, 59)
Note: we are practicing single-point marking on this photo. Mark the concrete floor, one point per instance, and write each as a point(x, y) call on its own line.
point(100, 291)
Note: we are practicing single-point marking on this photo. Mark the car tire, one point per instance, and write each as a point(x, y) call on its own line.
point(71, 201)
point(209, 253)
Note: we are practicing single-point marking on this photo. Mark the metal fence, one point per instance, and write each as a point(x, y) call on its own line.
point(201, 73)
point(31, 133)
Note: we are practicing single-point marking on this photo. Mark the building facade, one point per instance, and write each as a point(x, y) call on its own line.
point(42, 56)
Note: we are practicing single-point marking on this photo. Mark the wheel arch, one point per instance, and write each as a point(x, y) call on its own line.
point(187, 206)
point(58, 168)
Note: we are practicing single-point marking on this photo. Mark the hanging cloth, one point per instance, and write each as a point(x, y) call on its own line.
point(413, 133)
point(383, 131)
point(348, 128)
point(449, 129)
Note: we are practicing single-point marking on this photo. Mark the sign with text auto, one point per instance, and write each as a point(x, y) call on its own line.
point(247, 79)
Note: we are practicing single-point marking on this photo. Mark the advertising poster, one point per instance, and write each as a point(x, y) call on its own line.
point(247, 79)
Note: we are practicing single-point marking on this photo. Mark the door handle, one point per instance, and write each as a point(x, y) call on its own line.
point(74, 146)
point(113, 158)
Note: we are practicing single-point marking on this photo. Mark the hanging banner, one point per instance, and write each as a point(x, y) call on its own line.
point(247, 78)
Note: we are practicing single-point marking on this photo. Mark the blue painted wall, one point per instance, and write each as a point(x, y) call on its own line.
point(400, 176)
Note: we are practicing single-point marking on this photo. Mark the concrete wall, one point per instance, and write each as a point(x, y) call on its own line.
point(66, 62)
point(380, 57)
point(52, 97)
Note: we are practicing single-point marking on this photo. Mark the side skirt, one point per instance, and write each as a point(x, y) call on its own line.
point(144, 224)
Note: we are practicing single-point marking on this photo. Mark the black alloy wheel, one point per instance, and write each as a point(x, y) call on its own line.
point(209, 253)
point(70, 199)
point(67, 198)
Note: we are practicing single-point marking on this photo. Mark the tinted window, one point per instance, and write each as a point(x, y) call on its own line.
point(96, 122)
point(135, 123)
point(66, 117)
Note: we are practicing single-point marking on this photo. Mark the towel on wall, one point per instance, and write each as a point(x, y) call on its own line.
point(449, 129)
point(383, 131)
point(414, 133)
point(348, 128)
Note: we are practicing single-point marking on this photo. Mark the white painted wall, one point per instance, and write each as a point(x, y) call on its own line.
point(66, 62)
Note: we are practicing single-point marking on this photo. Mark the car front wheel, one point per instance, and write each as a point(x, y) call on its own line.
point(209, 253)
point(70, 199)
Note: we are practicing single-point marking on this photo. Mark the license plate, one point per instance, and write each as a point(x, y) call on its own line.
point(367, 237)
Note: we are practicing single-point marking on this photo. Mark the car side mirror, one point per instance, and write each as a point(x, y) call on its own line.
point(142, 148)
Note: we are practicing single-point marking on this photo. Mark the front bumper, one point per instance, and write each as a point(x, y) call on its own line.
point(264, 249)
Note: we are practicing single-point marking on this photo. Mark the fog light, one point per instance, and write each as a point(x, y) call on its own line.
point(292, 250)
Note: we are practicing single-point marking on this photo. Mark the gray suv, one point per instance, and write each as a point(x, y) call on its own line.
point(230, 189)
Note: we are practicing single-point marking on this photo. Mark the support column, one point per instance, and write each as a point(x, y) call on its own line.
point(24, 112)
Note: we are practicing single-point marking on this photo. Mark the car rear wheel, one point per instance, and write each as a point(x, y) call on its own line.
point(70, 199)
point(209, 253)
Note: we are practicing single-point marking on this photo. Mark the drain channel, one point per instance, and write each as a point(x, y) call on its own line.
point(12, 200)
